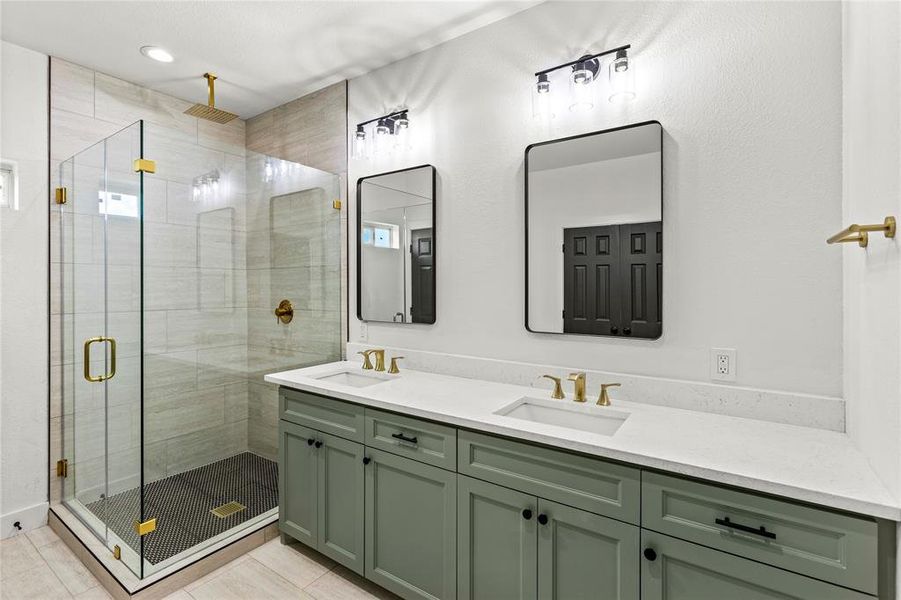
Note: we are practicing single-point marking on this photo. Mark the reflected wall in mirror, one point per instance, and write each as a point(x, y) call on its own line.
point(396, 246)
point(594, 241)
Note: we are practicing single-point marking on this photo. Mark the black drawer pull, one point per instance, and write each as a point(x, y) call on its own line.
point(318, 444)
point(542, 519)
point(310, 442)
point(738, 527)
point(366, 460)
point(650, 554)
point(403, 438)
point(527, 513)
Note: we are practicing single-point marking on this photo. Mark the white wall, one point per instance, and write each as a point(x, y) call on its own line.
point(608, 192)
point(23, 292)
point(752, 182)
point(872, 276)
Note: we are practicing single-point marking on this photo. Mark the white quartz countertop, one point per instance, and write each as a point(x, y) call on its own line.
point(811, 465)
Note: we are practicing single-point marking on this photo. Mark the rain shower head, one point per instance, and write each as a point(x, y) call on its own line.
point(210, 112)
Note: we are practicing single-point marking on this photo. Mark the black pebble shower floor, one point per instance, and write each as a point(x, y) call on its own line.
point(182, 503)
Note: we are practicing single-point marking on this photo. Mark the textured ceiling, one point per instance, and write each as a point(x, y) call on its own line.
point(265, 53)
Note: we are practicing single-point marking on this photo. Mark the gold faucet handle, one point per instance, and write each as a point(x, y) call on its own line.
point(367, 364)
point(604, 398)
point(393, 368)
point(557, 394)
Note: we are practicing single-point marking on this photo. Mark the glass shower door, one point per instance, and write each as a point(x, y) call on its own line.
point(101, 339)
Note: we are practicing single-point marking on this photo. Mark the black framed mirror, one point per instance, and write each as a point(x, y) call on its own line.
point(396, 244)
point(594, 233)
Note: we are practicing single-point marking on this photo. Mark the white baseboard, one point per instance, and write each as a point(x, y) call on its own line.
point(28, 518)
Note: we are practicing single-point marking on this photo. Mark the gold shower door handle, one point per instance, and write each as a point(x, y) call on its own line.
point(87, 359)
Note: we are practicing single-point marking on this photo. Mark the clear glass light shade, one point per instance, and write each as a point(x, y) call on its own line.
point(582, 92)
point(622, 79)
point(543, 101)
point(402, 135)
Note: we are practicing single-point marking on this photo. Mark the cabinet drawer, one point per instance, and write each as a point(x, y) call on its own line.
point(324, 414)
point(833, 547)
point(590, 484)
point(420, 440)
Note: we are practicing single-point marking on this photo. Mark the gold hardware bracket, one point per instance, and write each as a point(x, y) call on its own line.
point(858, 233)
point(148, 526)
point(393, 368)
point(367, 364)
point(62, 468)
point(336, 204)
point(117, 552)
point(284, 312)
point(604, 398)
point(557, 394)
point(144, 165)
point(60, 195)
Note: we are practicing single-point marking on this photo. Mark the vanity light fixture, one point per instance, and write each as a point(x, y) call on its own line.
point(390, 131)
point(583, 82)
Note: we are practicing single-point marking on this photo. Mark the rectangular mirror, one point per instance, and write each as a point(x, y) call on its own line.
point(594, 242)
point(396, 246)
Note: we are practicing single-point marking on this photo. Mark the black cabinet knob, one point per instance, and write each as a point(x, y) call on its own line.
point(614, 329)
point(310, 442)
point(318, 444)
point(627, 331)
point(526, 513)
point(650, 554)
point(542, 519)
point(366, 460)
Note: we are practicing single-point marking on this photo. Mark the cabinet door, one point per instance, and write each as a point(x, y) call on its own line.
point(582, 555)
point(676, 570)
point(340, 500)
point(411, 526)
point(497, 552)
point(297, 481)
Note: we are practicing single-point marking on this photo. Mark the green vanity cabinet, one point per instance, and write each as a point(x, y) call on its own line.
point(411, 526)
point(321, 492)
point(583, 555)
point(516, 546)
point(497, 555)
point(673, 569)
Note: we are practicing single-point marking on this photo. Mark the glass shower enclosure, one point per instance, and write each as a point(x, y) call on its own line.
point(172, 258)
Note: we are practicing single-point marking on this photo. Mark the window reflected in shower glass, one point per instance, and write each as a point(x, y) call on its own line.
point(120, 205)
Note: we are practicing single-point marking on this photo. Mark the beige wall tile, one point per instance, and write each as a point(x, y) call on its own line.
point(123, 102)
point(71, 87)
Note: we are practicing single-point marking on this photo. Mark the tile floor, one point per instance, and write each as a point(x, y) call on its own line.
point(37, 565)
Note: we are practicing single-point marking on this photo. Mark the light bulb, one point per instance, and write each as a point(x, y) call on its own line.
point(581, 74)
point(401, 122)
point(215, 186)
point(382, 128)
point(622, 78)
point(196, 191)
point(267, 170)
point(206, 187)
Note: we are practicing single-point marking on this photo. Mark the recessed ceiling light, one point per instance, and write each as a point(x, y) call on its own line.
point(156, 53)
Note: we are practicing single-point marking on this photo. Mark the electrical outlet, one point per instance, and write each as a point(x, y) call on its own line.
point(364, 331)
point(722, 364)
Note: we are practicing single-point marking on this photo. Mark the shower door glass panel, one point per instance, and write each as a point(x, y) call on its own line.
point(100, 346)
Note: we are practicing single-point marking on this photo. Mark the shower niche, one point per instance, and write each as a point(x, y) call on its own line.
point(164, 282)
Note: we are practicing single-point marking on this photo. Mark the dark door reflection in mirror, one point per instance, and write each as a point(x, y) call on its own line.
point(396, 246)
point(594, 233)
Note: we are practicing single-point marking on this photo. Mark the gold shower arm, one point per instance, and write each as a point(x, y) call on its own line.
point(858, 233)
point(211, 87)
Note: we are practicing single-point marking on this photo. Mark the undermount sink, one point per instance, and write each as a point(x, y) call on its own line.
point(562, 413)
point(353, 379)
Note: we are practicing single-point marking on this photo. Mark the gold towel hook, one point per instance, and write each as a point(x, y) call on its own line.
point(858, 233)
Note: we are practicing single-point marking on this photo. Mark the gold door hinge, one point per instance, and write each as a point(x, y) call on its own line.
point(145, 165)
point(61, 195)
point(62, 468)
point(117, 552)
point(146, 527)
point(336, 204)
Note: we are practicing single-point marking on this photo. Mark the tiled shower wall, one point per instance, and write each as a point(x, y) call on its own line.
point(312, 131)
point(195, 316)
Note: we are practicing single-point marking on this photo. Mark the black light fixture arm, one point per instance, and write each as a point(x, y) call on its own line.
point(396, 113)
point(578, 60)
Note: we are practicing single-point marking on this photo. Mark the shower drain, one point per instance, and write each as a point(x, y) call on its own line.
point(228, 509)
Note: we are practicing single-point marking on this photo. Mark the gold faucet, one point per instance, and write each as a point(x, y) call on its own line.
point(557, 394)
point(604, 398)
point(579, 380)
point(367, 364)
point(379, 359)
point(393, 368)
